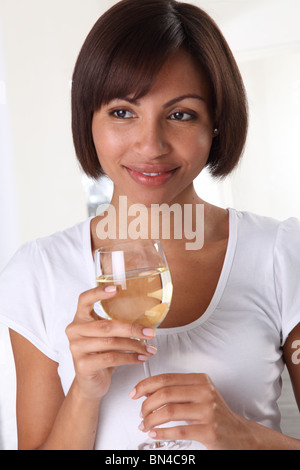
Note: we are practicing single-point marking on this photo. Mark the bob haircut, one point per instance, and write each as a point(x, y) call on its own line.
point(122, 56)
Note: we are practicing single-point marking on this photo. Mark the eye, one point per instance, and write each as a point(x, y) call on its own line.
point(121, 113)
point(181, 116)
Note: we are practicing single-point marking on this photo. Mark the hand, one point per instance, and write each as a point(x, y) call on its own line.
point(192, 398)
point(98, 346)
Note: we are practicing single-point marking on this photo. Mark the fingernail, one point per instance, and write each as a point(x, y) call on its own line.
point(142, 357)
point(132, 393)
point(142, 426)
point(152, 434)
point(150, 332)
point(151, 349)
point(110, 289)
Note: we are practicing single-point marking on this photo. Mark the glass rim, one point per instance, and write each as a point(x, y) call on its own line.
point(120, 243)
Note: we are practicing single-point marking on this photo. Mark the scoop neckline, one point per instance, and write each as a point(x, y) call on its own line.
point(223, 278)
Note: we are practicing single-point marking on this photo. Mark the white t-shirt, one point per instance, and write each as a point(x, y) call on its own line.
point(237, 341)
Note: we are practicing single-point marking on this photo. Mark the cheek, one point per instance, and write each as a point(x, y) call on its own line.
point(197, 148)
point(109, 145)
point(195, 154)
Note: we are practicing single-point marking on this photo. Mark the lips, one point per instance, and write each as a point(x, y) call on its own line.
point(151, 176)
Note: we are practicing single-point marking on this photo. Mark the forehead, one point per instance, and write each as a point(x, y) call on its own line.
point(133, 72)
point(181, 72)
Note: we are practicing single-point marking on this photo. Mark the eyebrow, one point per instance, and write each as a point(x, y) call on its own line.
point(183, 97)
point(169, 103)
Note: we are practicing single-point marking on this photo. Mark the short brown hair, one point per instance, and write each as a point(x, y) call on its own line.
point(122, 56)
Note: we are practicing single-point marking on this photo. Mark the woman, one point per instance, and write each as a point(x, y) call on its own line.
point(157, 97)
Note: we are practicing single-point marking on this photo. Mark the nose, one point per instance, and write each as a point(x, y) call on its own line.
point(151, 139)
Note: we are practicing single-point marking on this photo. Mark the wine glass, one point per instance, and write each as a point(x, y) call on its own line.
point(139, 270)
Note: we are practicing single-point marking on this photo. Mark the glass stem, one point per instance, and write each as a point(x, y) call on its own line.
point(146, 364)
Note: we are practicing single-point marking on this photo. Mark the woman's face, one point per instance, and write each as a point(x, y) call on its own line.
point(154, 147)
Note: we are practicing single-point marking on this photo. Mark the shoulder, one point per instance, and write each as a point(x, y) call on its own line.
point(265, 242)
point(63, 242)
point(263, 229)
point(44, 257)
point(68, 238)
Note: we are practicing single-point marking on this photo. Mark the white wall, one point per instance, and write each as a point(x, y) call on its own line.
point(268, 178)
point(265, 38)
point(41, 43)
point(9, 233)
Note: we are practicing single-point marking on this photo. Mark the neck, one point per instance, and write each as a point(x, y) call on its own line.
point(179, 222)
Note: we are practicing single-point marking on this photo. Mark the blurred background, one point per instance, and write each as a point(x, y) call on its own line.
point(42, 189)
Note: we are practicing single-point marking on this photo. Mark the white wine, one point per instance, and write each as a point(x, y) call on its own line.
point(143, 296)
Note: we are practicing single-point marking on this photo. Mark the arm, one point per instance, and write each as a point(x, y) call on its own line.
point(194, 398)
point(291, 351)
point(46, 418)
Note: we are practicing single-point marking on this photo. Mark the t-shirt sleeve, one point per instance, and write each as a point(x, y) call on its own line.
point(287, 274)
point(25, 295)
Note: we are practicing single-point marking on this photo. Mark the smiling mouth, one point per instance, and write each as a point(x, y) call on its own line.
point(151, 174)
point(150, 178)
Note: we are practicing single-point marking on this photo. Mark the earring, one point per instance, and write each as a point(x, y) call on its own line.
point(216, 131)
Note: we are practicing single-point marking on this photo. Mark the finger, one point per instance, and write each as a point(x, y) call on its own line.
point(154, 383)
point(88, 364)
point(113, 328)
point(175, 412)
point(198, 432)
point(107, 328)
point(91, 345)
point(176, 394)
point(88, 298)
